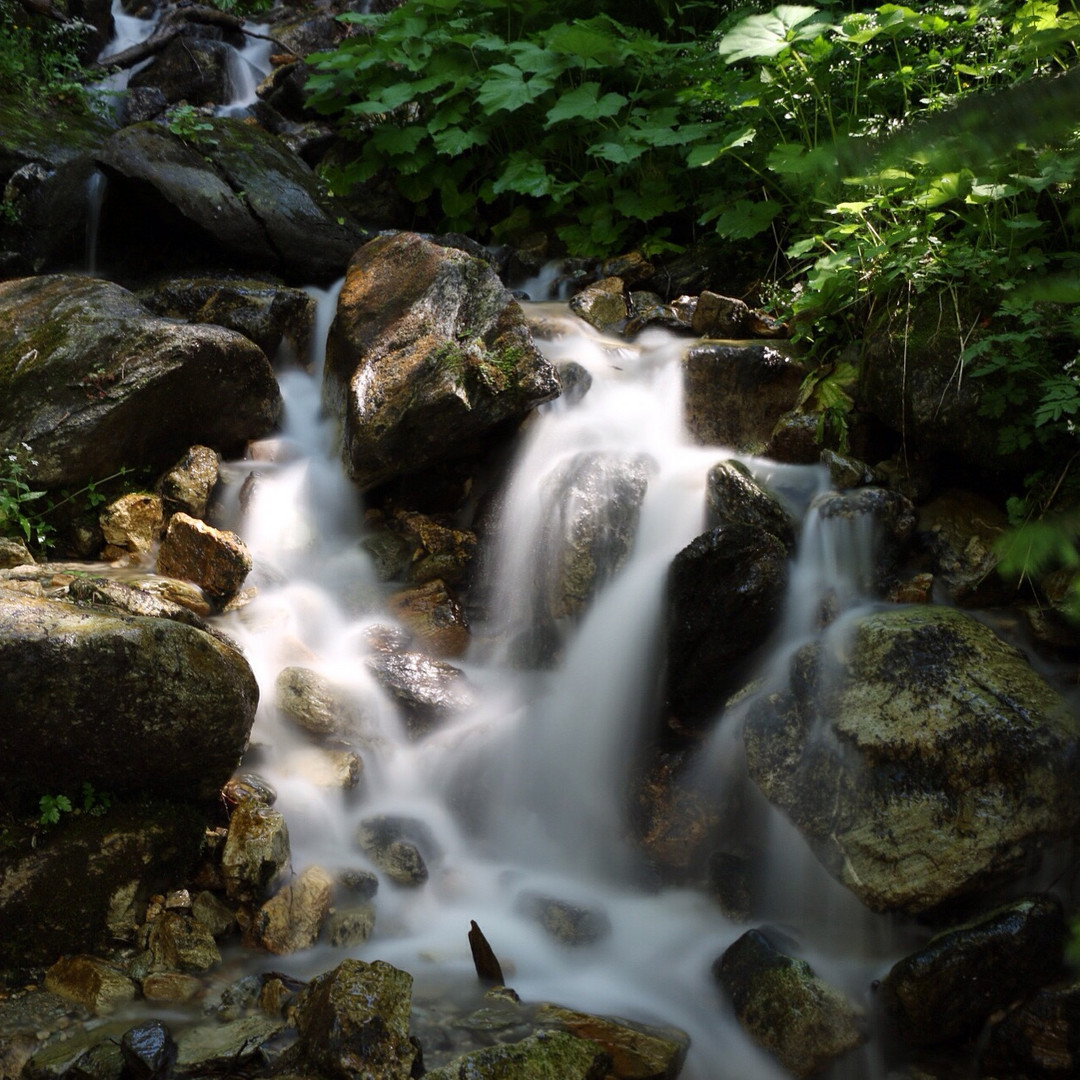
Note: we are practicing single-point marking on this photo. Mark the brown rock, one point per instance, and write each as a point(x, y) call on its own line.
point(98, 985)
point(216, 560)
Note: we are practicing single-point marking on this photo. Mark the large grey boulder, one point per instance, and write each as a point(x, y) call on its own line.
point(93, 382)
point(428, 353)
point(131, 705)
point(920, 756)
point(239, 195)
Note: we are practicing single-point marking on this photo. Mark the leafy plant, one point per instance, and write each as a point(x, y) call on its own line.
point(40, 57)
point(95, 803)
point(52, 806)
point(19, 514)
point(191, 125)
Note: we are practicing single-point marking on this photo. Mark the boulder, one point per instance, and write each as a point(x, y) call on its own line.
point(543, 1056)
point(428, 353)
point(96, 984)
point(400, 847)
point(919, 755)
point(734, 497)
point(785, 1008)
point(318, 705)
point(93, 382)
point(1038, 1037)
point(132, 705)
point(952, 985)
point(181, 943)
point(353, 1022)
point(215, 560)
point(256, 851)
point(266, 311)
point(602, 305)
point(293, 917)
point(725, 593)
point(237, 198)
point(593, 504)
point(736, 394)
point(428, 691)
point(188, 485)
point(434, 619)
point(191, 69)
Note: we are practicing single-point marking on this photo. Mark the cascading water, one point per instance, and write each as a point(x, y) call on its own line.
point(523, 792)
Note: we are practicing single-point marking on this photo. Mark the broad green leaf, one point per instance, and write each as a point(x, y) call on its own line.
point(589, 43)
point(504, 89)
point(745, 219)
point(706, 155)
point(523, 173)
point(455, 140)
point(395, 140)
point(791, 159)
point(584, 103)
point(618, 152)
point(761, 37)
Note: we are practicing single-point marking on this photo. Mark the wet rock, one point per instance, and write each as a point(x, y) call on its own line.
point(358, 884)
point(794, 440)
point(719, 316)
point(736, 394)
point(847, 472)
point(785, 1008)
point(248, 788)
point(318, 705)
point(98, 985)
point(730, 879)
point(433, 617)
point(145, 597)
point(322, 767)
point(960, 530)
point(181, 943)
point(188, 485)
point(95, 382)
point(87, 1054)
point(602, 305)
point(238, 197)
point(256, 851)
point(141, 103)
point(594, 502)
point(725, 593)
point(950, 987)
point(349, 926)
point(567, 923)
point(149, 1051)
point(189, 69)
point(398, 846)
point(132, 524)
point(139, 704)
point(1039, 1038)
point(353, 1022)
point(632, 267)
point(546, 1054)
point(292, 919)
point(637, 1051)
point(216, 560)
point(733, 496)
point(214, 1049)
point(14, 553)
point(428, 691)
point(428, 353)
point(170, 987)
point(215, 915)
point(436, 551)
point(576, 381)
point(919, 755)
point(869, 519)
point(267, 312)
point(648, 309)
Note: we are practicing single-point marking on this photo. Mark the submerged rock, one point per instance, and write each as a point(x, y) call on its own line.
point(545, 1056)
point(567, 923)
point(399, 847)
point(919, 755)
point(293, 917)
point(428, 353)
point(318, 705)
point(734, 497)
point(93, 382)
point(785, 1007)
point(951, 986)
point(602, 305)
point(427, 690)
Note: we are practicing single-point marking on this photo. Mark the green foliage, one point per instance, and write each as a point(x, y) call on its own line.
point(20, 516)
point(39, 57)
point(91, 801)
point(1036, 548)
point(52, 806)
point(243, 8)
point(190, 124)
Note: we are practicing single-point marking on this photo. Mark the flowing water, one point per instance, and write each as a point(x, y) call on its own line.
point(524, 791)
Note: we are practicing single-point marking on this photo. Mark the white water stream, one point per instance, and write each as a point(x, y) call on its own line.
point(544, 754)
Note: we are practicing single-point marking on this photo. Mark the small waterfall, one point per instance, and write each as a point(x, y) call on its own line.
point(95, 199)
point(248, 66)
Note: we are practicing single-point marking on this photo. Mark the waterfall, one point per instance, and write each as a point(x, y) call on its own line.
point(247, 68)
point(95, 199)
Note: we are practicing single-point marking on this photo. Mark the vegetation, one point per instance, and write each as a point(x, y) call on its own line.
point(39, 57)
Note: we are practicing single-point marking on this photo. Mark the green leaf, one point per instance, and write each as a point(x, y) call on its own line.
point(706, 155)
point(761, 37)
point(620, 153)
point(792, 159)
point(455, 140)
point(504, 89)
point(745, 219)
point(525, 174)
point(395, 140)
point(584, 103)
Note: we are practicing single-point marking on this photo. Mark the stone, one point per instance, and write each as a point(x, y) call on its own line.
point(785, 1008)
point(435, 620)
point(717, 316)
point(256, 851)
point(267, 312)
point(149, 1051)
point(132, 523)
point(353, 1022)
point(140, 705)
point(14, 553)
point(602, 305)
point(94, 382)
point(953, 984)
point(920, 756)
point(725, 594)
point(216, 560)
point(436, 551)
point(96, 984)
point(545, 1056)
point(171, 987)
point(248, 788)
point(398, 846)
point(188, 485)
point(189, 69)
point(428, 354)
point(318, 705)
point(213, 913)
point(181, 943)
point(567, 923)
point(733, 496)
point(1037, 1037)
point(428, 691)
point(293, 917)
point(735, 395)
point(208, 1049)
point(323, 767)
point(349, 926)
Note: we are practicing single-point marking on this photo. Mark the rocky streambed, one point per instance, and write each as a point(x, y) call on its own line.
point(805, 665)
